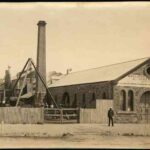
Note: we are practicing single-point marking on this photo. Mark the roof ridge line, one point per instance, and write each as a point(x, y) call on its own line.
point(109, 65)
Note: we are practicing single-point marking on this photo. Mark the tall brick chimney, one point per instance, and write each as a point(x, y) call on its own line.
point(41, 63)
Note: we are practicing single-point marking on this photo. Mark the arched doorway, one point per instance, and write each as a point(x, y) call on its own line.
point(145, 107)
point(66, 100)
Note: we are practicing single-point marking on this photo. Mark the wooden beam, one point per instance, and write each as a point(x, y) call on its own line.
point(41, 78)
point(24, 81)
point(20, 74)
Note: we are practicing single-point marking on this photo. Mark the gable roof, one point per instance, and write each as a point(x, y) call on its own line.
point(100, 74)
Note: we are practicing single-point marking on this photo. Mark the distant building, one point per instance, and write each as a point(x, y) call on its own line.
point(54, 76)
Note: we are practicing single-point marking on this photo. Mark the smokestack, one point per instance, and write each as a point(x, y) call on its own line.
point(41, 63)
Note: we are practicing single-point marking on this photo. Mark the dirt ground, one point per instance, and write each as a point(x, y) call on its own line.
point(75, 136)
point(76, 142)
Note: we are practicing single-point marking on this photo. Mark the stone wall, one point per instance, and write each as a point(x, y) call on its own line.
point(88, 89)
point(126, 117)
point(137, 82)
point(137, 91)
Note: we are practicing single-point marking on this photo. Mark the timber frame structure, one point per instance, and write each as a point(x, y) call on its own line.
point(28, 65)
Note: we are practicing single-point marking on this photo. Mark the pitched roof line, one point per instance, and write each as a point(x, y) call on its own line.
point(99, 74)
point(109, 65)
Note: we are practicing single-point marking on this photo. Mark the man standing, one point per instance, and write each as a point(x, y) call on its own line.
point(110, 116)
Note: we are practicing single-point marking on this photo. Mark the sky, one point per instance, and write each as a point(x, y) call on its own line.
point(79, 35)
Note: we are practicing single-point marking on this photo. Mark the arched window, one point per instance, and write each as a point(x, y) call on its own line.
point(66, 100)
point(104, 96)
point(123, 100)
point(93, 97)
point(130, 100)
point(84, 100)
point(145, 98)
point(74, 104)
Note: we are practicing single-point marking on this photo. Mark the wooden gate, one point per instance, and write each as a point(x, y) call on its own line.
point(61, 115)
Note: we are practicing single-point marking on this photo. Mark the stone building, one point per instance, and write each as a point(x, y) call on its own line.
point(126, 83)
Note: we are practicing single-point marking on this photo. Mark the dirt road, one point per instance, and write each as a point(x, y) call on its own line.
point(57, 130)
point(77, 142)
point(74, 136)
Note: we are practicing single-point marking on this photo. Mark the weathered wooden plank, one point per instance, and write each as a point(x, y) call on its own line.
point(17, 115)
point(98, 115)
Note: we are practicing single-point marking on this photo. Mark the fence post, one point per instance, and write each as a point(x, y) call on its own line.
point(61, 115)
point(78, 119)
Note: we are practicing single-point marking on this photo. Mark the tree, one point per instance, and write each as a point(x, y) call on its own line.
point(7, 79)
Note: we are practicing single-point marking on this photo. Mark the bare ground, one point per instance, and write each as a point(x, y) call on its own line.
point(75, 136)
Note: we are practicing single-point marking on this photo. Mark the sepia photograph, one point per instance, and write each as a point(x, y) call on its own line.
point(75, 75)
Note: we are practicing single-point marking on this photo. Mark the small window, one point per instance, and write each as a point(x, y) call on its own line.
point(147, 71)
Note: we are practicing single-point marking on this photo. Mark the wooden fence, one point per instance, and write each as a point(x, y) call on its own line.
point(97, 115)
point(63, 115)
point(19, 115)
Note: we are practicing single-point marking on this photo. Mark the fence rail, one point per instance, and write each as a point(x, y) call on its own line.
point(61, 115)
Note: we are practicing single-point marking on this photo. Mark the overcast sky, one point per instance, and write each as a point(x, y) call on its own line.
point(78, 35)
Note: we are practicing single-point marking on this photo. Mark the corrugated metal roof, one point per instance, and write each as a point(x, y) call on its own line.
point(100, 74)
